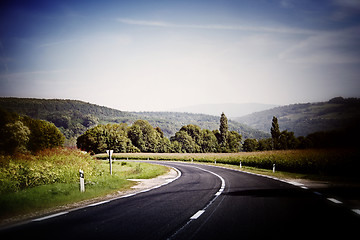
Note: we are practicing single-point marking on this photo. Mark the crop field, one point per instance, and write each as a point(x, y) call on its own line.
point(30, 183)
point(332, 162)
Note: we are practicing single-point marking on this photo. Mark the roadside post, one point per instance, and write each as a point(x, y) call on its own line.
point(240, 165)
point(82, 183)
point(273, 167)
point(110, 152)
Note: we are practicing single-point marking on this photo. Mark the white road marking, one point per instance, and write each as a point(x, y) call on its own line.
point(50, 216)
point(334, 200)
point(197, 215)
point(295, 183)
point(98, 203)
point(357, 211)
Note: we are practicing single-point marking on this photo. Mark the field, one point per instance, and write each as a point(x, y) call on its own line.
point(322, 162)
point(30, 183)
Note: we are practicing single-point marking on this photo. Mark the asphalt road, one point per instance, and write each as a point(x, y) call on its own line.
point(204, 203)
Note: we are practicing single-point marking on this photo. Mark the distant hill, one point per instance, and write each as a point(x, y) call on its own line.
point(306, 118)
point(171, 122)
point(231, 110)
point(74, 117)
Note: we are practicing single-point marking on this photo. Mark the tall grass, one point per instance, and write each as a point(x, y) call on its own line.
point(58, 165)
point(34, 182)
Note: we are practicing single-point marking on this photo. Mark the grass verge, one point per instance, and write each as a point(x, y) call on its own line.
point(98, 182)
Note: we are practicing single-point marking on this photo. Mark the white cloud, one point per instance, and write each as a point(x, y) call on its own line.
point(335, 47)
point(253, 28)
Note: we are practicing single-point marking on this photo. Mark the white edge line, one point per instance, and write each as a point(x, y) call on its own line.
point(103, 202)
point(98, 203)
point(49, 216)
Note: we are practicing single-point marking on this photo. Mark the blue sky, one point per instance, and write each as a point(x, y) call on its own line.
point(160, 55)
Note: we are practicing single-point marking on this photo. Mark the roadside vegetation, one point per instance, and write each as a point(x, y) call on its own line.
point(29, 183)
point(312, 162)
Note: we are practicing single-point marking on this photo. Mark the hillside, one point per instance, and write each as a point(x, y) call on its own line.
point(74, 117)
point(306, 118)
point(232, 110)
point(171, 122)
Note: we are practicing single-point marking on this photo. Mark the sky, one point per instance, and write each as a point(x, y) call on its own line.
point(165, 54)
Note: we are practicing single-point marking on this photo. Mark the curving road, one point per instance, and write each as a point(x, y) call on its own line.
point(204, 203)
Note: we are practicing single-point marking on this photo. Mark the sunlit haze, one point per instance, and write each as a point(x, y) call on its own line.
point(161, 55)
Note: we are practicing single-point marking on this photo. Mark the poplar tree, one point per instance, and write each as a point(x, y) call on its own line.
point(224, 130)
point(275, 133)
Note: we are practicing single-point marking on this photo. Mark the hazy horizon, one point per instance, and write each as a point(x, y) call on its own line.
point(161, 55)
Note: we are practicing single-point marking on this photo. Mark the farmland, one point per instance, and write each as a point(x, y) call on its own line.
point(322, 162)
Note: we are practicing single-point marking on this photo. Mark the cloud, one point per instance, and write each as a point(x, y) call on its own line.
point(334, 47)
point(351, 4)
point(286, 3)
point(345, 9)
point(253, 28)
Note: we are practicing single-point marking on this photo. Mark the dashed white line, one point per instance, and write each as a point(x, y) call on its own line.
point(357, 211)
point(334, 200)
point(197, 215)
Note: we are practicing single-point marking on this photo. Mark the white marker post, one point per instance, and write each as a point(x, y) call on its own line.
point(82, 182)
point(240, 165)
point(110, 152)
point(273, 167)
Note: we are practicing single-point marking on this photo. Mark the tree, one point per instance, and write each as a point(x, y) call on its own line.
point(209, 142)
point(275, 133)
point(224, 130)
point(234, 141)
point(102, 137)
point(186, 142)
point(265, 144)
point(250, 145)
point(16, 137)
point(288, 140)
point(144, 136)
point(43, 134)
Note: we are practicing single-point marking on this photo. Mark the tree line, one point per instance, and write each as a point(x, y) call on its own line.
point(283, 140)
point(24, 134)
point(141, 136)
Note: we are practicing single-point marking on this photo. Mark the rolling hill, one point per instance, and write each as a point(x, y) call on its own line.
point(74, 117)
point(306, 118)
point(232, 110)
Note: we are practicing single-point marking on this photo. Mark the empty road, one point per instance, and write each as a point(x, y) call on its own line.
point(204, 203)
